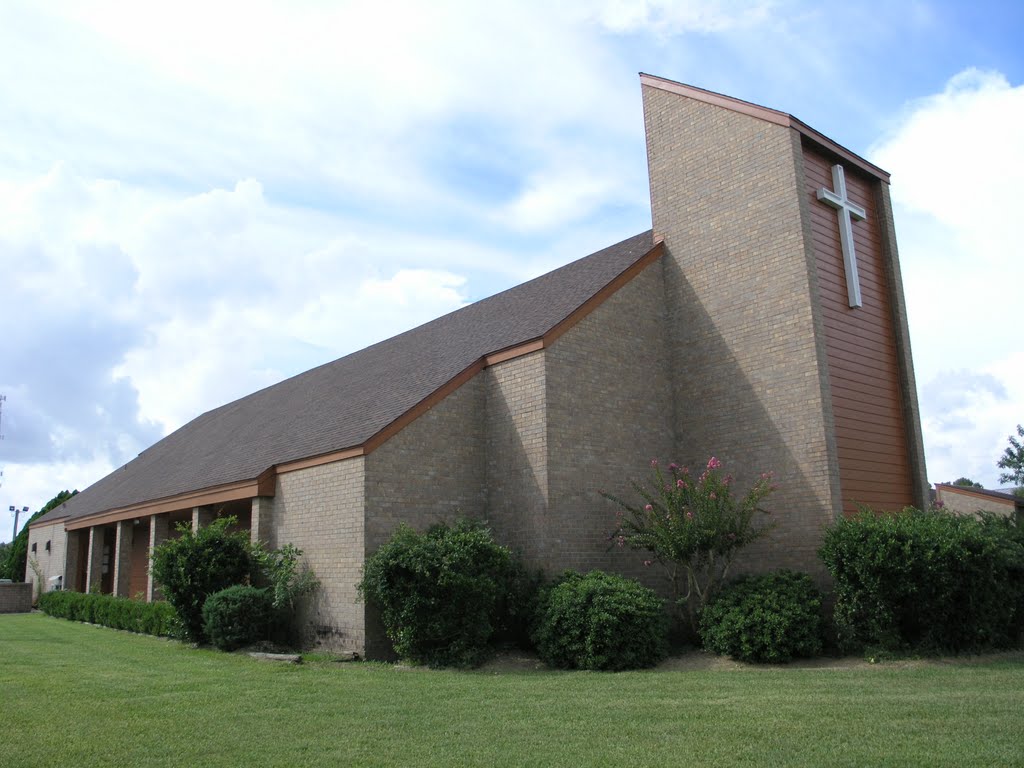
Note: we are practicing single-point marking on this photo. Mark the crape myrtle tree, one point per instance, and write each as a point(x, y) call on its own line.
point(692, 527)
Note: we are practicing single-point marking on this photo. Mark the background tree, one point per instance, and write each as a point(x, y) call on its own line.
point(12, 566)
point(966, 482)
point(1013, 461)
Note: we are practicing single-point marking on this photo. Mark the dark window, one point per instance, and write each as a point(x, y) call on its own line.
point(47, 546)
point(33, 548)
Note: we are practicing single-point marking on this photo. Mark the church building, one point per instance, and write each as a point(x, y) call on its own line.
point(761, 320)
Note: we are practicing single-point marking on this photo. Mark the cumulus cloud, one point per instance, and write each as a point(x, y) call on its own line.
point(957, 205)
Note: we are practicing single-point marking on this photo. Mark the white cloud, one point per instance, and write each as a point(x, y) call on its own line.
point(958, 204)
point(672, 17)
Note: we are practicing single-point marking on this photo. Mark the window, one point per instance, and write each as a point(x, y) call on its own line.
point(47, 546)
point(33, 548)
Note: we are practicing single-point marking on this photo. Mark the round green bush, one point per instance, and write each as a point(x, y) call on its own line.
point(237, 616)
point(771, 618)
point(441, 593)
point(601, 621)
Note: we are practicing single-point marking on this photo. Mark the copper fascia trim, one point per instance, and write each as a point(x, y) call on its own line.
point(602, 295)
point(245, 489)
point(513, 352)
point(314, 461)
point(51, 521)
point(768, 115)
point(422, 406)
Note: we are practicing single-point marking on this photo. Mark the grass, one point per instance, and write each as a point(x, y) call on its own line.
point(77, 695)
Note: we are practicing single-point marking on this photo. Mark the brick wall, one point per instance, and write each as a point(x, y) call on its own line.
point(966, 502)
point(320, 510)
point(15, 598)
point(431, 471)
point(517, 454)
point(747, 358)
point(610, 411)
point(52, 562)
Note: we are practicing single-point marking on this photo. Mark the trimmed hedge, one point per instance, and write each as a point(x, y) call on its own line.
point(601, 621)
point(238, 616)
point(927, 581)
point(156, 618)
point(770, 618)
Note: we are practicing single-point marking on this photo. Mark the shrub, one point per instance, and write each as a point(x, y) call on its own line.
point(439, 593)
point(770, 618)
point(117, 612)
point(237, 616)
point(692, 527)
point(601, 621)
point(286, 582)
point(926, 581)
point(192, 567)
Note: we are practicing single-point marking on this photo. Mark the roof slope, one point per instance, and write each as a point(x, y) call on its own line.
point(344, 403)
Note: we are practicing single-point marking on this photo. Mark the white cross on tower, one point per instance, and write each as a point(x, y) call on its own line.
point(847, 210)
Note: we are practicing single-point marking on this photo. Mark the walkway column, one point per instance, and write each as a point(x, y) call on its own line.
point(158, 527)
point(71, 558)
point(94, 569)
point(123, 558)
point(201, 516)
point(259, 526)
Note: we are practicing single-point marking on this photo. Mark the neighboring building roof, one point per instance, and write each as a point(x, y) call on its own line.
point(346, 403)
point(969, 491)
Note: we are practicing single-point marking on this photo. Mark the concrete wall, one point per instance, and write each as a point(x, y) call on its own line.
point(747, 353)
point(51, 563)
point(610, 411)
point(320, 510)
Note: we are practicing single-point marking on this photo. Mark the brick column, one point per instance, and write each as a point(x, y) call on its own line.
point(123, 558)
point(201, 516)
point(94, 568)
point(158, 527)
point(259, 528)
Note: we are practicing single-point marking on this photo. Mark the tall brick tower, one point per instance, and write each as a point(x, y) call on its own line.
point(788, 331)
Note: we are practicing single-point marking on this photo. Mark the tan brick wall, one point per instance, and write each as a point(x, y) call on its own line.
point(751, 380)
point(52, 562)
point(320, 510)
point(517, 455)
point(431, 471)
point(610, 411)
point(967, 503)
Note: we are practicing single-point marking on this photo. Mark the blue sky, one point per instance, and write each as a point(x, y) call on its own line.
point(200, 199)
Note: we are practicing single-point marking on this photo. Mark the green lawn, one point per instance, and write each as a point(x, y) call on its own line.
point(75, 695)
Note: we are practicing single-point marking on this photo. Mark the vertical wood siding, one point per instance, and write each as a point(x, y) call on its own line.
point(871, 435)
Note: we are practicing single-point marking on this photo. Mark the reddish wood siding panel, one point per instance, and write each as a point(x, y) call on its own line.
point(871, 433)
point(139, 565)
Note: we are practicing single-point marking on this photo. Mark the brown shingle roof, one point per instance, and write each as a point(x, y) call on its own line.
point(344, 403)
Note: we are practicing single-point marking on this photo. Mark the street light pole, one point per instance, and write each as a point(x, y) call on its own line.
point(16, 512)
